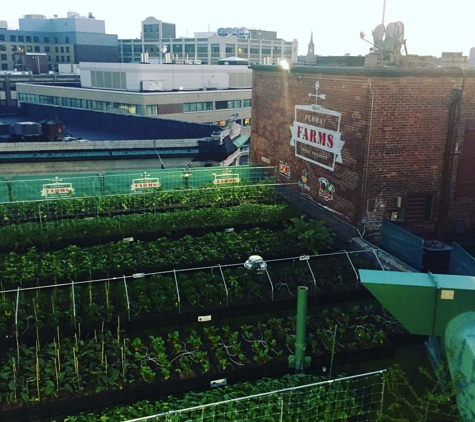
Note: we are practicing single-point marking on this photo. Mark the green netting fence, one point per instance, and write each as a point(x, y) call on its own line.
point(354, 398)
point(60, 186)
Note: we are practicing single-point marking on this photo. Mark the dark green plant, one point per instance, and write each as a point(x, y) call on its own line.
point(310, 234)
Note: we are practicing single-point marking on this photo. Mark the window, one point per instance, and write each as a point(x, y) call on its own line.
point(230, 48)
point(67, 49)
point(66, 40)
point(14, 47)
point(2, 37)
point(47, 49)
point(152, 109)
point(46, 40)
point(56, 50)
point(29, 48)
point(242, 49)
point(21, 38)
point(62, 49)
point(202, 48)
point(37, 49)
point(177, 48)
point(68, 59)
point(28, 38)
point(36, 39)
point(220, 105)
point(246, 103)
point(12, 38)
point(189, 48)
point(3, 47)
point(3, 57)
point(419, 207)
point(201, 106)
point(4, 66)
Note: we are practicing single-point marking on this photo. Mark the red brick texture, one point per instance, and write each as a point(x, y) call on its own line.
point(403, 134)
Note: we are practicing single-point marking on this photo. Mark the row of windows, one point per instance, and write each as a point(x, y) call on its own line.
point(35, 48)
point(29, 38)
point(219, 105)
point(78, 103)
point(131, 108)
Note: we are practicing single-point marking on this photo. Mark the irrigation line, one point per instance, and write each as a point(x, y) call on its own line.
point(313, 277)
point(225, 286)
point(177, 292)
point(271, 284)
point(74, 301)
point(127, 297)
point(267, 393)
point(174, 271)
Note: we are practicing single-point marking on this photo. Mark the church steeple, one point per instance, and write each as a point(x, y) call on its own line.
point(311, 46)
point(311, 51)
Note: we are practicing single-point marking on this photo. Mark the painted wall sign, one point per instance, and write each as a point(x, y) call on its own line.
point(226, 177)
point(326, 189)
point(312, 140)
point(284, 169)
point(146, 182)
point(57, 188)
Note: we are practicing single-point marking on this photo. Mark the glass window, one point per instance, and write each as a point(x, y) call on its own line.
point(46, 40)
point(246, 103)
point(36, 39)
point(47, 49)
point(62, 49)
point(202, 48)
point(28, 38)
point(4, 57)
point(2, 37)
point(230, 49)
point(21, 38)
point(12, 37)
point(14, 47)
point(189, 48)
point(177, 48)
point(220, 105)
point(152, 109)
point(66, 40)
point(29, 48)
point(199, 106)
point(37, 48)
point(4, 66)
point(3, 47)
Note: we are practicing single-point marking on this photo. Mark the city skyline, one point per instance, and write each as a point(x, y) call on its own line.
point(336, 27)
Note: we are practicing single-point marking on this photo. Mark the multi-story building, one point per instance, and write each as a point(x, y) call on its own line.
point(159, 43)
point(201, 94)
point(72, 39)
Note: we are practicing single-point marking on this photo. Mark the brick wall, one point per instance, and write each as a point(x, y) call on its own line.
point(397, 142)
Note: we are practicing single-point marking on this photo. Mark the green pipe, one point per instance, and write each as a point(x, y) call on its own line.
point(299, 361)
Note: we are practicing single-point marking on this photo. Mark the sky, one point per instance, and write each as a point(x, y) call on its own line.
point(431, 26)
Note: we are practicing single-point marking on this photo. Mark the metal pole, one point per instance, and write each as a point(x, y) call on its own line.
point(300, 344)
point(384, 10)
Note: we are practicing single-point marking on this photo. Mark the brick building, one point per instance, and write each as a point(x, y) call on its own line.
point(372, 143)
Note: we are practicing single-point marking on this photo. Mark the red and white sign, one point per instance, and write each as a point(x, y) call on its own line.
point(313, 142)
